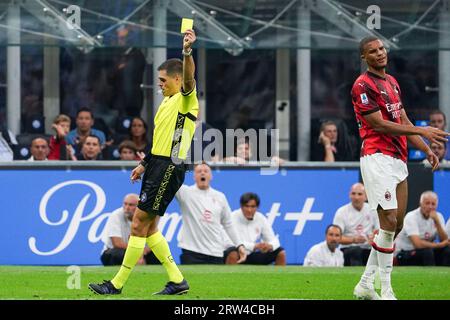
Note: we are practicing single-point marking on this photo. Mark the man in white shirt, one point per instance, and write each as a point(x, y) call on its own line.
point(257, 235)
point(7, 143)
point(358, 225)
point(415, 244)
point(326, 253)
point(447, 227)
point(39, 149)
point(205, 213)
point(116, 234)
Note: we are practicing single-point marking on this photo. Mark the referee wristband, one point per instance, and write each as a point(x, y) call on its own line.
point(143, 163)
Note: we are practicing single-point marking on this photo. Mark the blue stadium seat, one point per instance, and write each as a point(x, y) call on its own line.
point(415, 154)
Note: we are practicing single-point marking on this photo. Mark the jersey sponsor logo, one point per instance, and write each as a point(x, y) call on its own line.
point(388, 196)
point(364, 99)
point(394, 109)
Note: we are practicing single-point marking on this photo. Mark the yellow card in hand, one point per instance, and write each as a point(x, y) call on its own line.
point(186, 24)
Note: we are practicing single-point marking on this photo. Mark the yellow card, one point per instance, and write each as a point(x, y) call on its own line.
point(186, 24)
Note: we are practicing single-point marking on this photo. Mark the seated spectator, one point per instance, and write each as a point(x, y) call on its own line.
point(59, 149)
point(39, 149)
point(244, 155)
point(84, 122)
point(138, 134)
point(257, 235)
point(326, 253)
point(128, 150)
point(8, 143)
point(117, 232)
point(90, 149)
point(438, 120)
point(205, 213)
point(440, 150)
point(329, 147)
point(358, 225)
point(415, 244)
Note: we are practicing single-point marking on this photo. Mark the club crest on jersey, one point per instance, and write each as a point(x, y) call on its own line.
point(364, 98)
point(387, 196)
point(143, 197)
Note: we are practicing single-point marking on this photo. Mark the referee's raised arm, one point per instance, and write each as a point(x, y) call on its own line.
point(188, 61)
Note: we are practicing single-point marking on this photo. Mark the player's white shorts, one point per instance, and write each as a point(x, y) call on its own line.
point(381, 174)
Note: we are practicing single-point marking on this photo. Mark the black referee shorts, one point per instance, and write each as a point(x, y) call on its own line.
point(161, 181)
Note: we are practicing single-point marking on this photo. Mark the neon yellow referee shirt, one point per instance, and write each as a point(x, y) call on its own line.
point(175, 125)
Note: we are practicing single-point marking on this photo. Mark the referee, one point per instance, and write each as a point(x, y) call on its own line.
point(163, 170)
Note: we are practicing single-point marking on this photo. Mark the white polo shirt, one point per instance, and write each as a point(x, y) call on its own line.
point(447, 227)
point(416, 224)
point(321, 256)
point(356, 223)
point(117, 226)
point(205, 213)
point(253, 231)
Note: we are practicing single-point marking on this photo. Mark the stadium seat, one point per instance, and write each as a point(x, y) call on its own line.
point(26, 138)
point(111, 152)
point(35, 124)
point(123, 125)
point(22, 152)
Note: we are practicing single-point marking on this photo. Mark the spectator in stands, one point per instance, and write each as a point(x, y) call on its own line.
point(415, 244)
point(116, 234)
point(205, 213)
point(128, 150)
point(244, 155)
point(84, 122)
point(138, 134)
point(257, 235)
point(326, 253)
point(90, 149)
point(358, 225)
point(331, 145)
point(8, 143)
point(39, 149)
point(438, 120)
point(59, 149)
point(440, 150)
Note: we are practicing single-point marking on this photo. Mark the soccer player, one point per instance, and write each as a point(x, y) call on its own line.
point(385, 129)
point(163, 170)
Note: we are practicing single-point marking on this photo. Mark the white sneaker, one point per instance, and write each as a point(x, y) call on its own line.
point(364, 293)
point(388, 294)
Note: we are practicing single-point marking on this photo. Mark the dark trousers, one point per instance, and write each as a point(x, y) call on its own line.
point(425, 257)
point(114, 257)
point(355, 256)
point(191, 257)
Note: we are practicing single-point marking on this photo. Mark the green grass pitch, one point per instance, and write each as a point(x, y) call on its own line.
point(222, 282)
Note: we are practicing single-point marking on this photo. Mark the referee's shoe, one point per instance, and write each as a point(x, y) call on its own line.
point(104, 288)
point(173, 288)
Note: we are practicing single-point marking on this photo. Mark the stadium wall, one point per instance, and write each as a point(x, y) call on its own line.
point(55, 213)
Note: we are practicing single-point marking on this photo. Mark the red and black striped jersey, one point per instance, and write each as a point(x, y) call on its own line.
point(373, 93)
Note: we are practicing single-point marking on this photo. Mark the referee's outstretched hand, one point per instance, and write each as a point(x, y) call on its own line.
point(137, 172)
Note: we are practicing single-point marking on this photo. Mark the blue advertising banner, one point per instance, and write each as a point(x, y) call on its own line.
point(442, 188)
point(56, 217)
